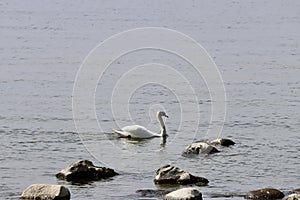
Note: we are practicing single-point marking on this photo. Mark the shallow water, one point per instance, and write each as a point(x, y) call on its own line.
point(255, 45)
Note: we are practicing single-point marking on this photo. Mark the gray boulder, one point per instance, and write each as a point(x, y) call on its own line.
point(46, 192)
point(296, 191)
point(151, 193)
point(222, 142)
point(85, 170)
point(200, 147)
point(173, 175)
point(184, 194)
point(294, 196)
point(266, 193)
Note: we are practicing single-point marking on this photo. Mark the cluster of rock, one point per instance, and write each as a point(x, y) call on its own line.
point(172, 175)
point(86, 170)
point(82, 170)
point(193, 193)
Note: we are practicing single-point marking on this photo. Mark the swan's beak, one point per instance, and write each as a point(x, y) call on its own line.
point(166, 116)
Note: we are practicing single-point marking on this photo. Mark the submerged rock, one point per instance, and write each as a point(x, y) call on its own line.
point(46, 192)
point(173, 175)
point(222, 142)
point(184, 194)
point(296, 191)
point(266, 193)
point(151, 193)
point(294, 196)
point(200, 148)
point(85, 170)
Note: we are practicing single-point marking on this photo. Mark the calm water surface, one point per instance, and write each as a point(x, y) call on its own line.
point(255, 45)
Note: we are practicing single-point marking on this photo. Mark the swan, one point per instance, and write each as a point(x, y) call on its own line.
point(140, 132)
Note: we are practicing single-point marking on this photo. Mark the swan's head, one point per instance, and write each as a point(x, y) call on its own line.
point(162, 114)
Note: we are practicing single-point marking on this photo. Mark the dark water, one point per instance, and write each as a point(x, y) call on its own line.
point(255, 45)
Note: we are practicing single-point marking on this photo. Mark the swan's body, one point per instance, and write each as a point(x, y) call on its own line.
point(136, 131)
point(200, 147)
point(140, 132)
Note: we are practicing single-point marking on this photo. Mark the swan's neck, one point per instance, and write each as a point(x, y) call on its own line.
point(163, 131)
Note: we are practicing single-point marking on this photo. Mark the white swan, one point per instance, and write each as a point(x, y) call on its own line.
point(140, 132)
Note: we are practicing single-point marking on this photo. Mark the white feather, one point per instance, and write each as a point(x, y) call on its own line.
point(136, 131)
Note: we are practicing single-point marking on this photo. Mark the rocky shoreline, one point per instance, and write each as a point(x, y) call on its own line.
point(85, 170)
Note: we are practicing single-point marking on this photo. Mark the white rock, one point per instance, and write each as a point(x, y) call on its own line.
point(46, 192)
point(184, 194)
point(292, 197)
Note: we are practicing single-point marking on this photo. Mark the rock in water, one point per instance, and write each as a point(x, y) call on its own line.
point(184, 194)
point(85, 170)
point(151, 193)
point(46, 192)
point(266, 193)
point(294, 196)
point(173, 175)
point(296, 191)
point(200, 148)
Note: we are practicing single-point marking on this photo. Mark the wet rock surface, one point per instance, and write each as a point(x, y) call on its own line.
point(184, 194)
point(46, 192)
point(151, 193)
point(173, 175)
point(294, 196)
point(85, 170)
point(296, 191)
point(200, 147)
point(222, 142)
point(266, 193)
